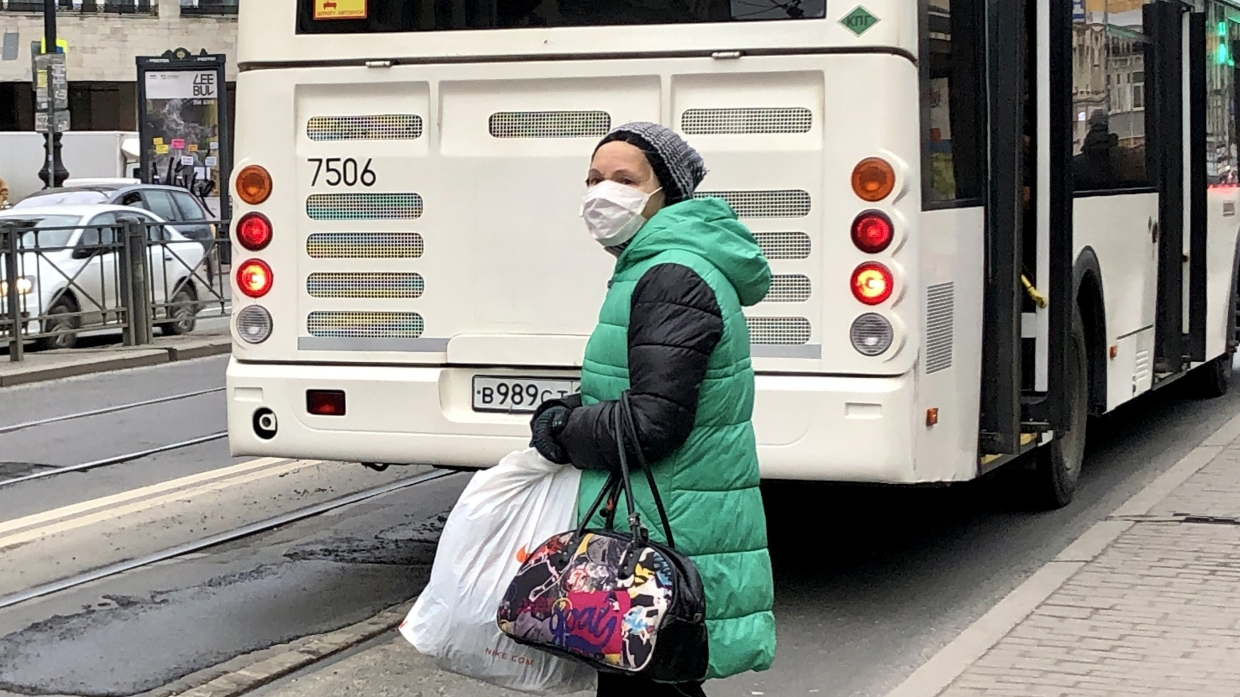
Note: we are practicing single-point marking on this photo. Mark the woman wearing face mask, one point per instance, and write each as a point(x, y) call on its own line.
point(671, 332)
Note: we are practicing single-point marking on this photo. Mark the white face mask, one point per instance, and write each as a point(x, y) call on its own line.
point(613, 212)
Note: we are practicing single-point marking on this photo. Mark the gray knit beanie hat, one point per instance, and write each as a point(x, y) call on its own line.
point(677, 165)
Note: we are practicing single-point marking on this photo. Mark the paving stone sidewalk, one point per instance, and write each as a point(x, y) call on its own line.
point(1155, 612)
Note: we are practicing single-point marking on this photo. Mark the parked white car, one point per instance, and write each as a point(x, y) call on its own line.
point(70, 275)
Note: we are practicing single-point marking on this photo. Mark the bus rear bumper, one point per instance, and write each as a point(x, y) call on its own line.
point(849, 429)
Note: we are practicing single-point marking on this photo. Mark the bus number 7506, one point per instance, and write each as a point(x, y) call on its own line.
point(342, 171)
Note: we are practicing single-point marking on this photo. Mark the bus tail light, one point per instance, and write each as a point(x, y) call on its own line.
point(872, 283)
point(254, 324)
point(872, 232)
point(873, 179)
point(254, 231)
point(871, 334)
point(254, 185)
point(325, 402)
point(254, 278)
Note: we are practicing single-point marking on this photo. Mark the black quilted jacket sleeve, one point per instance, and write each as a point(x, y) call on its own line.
point(674, 325)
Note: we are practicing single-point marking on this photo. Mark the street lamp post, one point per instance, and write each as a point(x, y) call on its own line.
point(53, 173)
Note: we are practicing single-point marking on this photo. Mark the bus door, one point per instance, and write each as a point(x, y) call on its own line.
point(1176, 120)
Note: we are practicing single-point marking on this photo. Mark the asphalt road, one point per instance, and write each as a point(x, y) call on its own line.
point(870, 581)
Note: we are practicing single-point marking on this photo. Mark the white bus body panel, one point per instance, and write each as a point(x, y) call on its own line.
point(512, 282)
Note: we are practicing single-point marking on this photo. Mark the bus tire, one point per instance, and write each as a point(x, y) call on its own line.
point(1214, 378)
point(1057, 467)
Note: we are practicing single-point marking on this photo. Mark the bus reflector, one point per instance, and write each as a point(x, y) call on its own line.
point(871, 334)
point(254, 231)
point(254, 185)
point(872, 283)
point(254, 278)
point(872, 232)
point(873, 179)
point(254, 324)
point(325, 402)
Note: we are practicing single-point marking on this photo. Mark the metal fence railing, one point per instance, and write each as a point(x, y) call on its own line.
point(145, 7)
point(59, 283)
point(209, 7)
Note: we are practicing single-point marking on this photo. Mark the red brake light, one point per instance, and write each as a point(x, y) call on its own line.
point(872, 283)
point(254, 278)
point(872, 232)
point(254, 231)
point(325, 402)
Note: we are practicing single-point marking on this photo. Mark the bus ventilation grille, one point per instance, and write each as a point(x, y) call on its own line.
point(363, 206)
point(792, 331)
point(746, 121)
point(365, 284)
point(788, 288)
point(378, 127)
point(365, 325)
point(792, 203)
point(940, 320)
point(550, 124)
point(364, 245)
point(784, 245)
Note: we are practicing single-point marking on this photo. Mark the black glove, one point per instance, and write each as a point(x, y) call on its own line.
point(572, 401)
point(546, 428)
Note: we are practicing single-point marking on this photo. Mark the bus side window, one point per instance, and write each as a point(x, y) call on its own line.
point(953, 109)
point(1110, 141)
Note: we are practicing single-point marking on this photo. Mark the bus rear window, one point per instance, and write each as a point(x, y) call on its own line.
point(374, 16)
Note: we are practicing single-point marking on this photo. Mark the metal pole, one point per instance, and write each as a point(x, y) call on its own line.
point(139, 282)
point(11, 273)
point(125, 274)
point(49, 46)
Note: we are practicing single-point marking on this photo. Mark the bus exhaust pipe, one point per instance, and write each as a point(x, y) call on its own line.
point(265, 425)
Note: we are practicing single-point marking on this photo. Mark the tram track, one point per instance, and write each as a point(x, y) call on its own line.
point(238, 533)
point(115, 460)
point(106, 410)
point(46, 471)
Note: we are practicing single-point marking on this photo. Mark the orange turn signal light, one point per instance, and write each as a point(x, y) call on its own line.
point(873, 179)
point(254, 185)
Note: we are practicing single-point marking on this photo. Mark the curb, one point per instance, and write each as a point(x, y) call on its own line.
point(941, 670)
point(250, 672)
point(134, 358)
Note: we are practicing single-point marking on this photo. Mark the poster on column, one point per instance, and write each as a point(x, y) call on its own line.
point(182, 121)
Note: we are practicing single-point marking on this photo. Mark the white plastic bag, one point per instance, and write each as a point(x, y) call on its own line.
point(504, 511)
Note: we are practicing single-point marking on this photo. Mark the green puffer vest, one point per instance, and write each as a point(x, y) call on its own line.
point(709, 485)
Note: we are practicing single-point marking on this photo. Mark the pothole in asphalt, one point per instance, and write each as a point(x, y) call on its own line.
point(125, 645)
point(12, 470)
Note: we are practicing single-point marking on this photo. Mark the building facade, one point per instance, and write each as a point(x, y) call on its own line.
point(104, 37)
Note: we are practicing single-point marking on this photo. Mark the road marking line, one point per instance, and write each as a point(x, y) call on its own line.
point(125, 496)
point(183, 495)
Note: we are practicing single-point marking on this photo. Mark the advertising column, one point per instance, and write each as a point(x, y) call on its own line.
point(183, 125)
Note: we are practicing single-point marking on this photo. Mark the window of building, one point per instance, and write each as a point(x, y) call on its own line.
point(1110, 45)
point(952, 103)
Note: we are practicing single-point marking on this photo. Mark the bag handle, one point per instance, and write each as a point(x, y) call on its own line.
point(630, 428)
point(616, 483)
point(625, 433)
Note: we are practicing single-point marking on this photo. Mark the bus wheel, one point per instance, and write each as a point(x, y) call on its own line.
point(1058, 464)
point(1214, 378)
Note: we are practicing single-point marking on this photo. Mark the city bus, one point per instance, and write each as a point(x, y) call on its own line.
point(986, 221)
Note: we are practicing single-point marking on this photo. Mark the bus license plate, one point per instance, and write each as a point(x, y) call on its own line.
point(518, 395)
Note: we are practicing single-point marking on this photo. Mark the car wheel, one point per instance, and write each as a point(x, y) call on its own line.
point(61, 323)
point(1057, 466)
point(183, 311)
